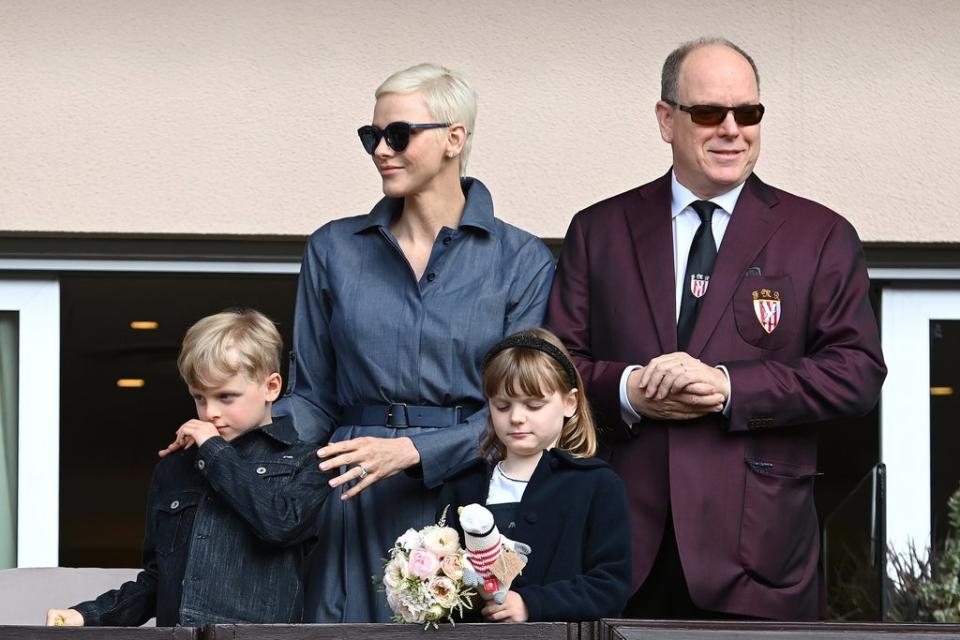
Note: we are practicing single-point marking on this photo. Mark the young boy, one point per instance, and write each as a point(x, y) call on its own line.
point(227, 520)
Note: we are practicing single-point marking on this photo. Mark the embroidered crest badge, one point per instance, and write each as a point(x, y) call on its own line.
point(766, 305)
point(698, 284)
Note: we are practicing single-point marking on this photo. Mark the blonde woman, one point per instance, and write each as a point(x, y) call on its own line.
point(395, 310)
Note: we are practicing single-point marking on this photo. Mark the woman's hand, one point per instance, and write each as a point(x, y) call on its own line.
point(369, 460)
point(513, 609)
point(64, 618)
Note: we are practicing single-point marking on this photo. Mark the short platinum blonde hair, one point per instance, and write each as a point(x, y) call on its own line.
point(220, 346)
point(670, 74)
point(449, 96)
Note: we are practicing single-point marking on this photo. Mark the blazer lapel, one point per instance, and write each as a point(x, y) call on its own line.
point(651, 229)
point(752, 224)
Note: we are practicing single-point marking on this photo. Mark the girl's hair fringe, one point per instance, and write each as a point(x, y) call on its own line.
point(529, 372)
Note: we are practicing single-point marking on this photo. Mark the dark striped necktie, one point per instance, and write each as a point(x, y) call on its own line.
point(703, 253)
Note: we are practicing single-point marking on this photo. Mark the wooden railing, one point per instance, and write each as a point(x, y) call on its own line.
point(602, 630)
point(726, 630)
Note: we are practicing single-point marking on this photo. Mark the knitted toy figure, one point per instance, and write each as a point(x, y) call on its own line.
point(493, 561)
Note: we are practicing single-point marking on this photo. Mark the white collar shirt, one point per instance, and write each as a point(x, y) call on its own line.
point(686, 222)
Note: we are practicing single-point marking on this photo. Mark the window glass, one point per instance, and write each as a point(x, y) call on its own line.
point(9, 349)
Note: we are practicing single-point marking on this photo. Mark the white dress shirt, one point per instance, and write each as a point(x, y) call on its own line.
point(686, 221)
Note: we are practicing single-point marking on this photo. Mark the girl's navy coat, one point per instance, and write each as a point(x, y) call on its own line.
point(574, 516)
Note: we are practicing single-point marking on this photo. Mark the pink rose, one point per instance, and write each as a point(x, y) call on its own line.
point(423, 564)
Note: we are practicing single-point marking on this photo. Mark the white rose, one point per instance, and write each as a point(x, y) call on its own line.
point(410, 540)
point(395, 572)
point(441, 540)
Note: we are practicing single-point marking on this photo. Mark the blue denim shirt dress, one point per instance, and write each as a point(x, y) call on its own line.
point(368, 332)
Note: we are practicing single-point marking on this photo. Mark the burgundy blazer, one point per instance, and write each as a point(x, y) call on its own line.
point(741, 488)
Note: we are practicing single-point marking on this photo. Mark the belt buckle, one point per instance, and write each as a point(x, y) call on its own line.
point(393, 410)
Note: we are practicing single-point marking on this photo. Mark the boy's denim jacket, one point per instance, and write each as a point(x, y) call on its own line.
point(226, 534)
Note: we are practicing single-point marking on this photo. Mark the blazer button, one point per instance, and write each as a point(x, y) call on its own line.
point(531, 518)
point(261, 470)
point(431, 277)
point(201, 464)
point(174, 504)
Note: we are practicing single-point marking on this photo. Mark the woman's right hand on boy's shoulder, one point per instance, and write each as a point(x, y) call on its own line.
point(64, 618)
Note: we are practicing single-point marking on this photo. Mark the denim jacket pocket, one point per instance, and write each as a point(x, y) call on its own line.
point(274, 470)
point(175, 514)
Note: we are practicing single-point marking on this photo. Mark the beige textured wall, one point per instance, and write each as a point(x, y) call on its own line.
point(227, 116)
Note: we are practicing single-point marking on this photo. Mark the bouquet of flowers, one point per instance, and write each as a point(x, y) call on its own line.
point(424, 576)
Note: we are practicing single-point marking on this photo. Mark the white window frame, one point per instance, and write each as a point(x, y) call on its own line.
point(905, 408)
point(37, 303)
point(148, 266)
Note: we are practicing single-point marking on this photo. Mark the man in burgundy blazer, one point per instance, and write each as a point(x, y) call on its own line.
point(717, 443)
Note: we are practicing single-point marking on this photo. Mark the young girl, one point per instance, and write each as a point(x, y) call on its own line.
point(536, 475)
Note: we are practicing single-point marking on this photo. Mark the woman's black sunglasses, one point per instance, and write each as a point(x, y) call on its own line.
point(710, 115)
point(397, 134)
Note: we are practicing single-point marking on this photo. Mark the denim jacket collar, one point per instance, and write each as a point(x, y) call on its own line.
point(281, 430)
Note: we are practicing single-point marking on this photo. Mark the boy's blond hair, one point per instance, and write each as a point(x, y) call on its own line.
point(220, 346)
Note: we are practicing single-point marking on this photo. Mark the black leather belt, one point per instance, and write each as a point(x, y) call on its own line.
point(402, 415)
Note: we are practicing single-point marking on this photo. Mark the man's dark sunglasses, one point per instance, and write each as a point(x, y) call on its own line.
point(397, 134)
point(710, 115)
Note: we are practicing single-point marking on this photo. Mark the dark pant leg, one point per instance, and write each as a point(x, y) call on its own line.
point(664, 594)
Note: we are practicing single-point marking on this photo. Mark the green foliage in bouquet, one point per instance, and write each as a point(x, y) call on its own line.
point(925, 587)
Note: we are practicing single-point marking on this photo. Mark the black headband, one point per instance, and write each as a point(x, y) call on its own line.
point(532, 342)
